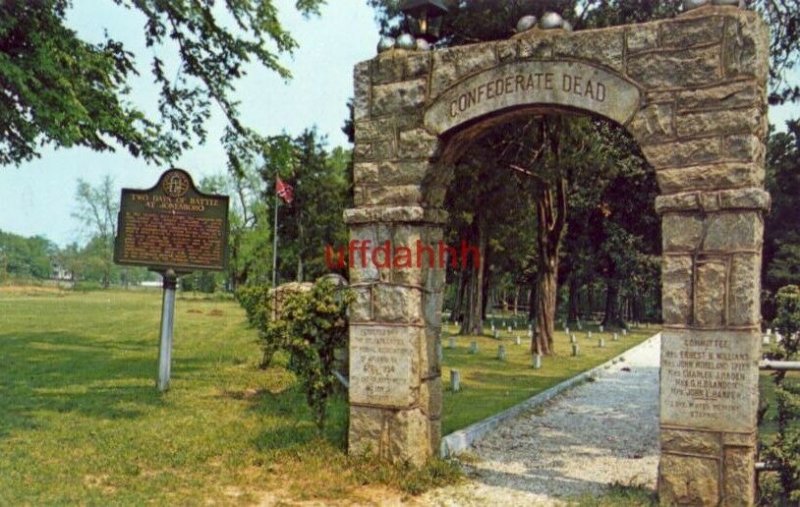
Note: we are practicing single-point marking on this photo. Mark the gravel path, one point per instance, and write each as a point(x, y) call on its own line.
point(599, 433)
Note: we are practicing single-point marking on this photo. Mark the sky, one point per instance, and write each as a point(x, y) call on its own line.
point(38, 198)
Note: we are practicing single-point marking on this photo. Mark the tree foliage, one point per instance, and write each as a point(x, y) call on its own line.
point(785, 449)
point(64, 91)
point(314, 219)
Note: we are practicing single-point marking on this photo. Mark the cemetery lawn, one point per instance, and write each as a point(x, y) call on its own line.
point(489, 385)
point(82, 423)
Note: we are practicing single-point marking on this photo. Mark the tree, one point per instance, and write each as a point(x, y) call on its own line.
point(22, 257)
point(314, 219)
point(782, 230)
point(97, 210)
point(61, 90)
point(784, 450)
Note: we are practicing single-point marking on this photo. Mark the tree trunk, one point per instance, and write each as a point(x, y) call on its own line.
point(458, 306)
point(473, 315)
point(572, 311)
point(545, 304)
point(612, 316)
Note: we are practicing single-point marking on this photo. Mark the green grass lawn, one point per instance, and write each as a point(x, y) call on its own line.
point(81, 420)
point(489, 385)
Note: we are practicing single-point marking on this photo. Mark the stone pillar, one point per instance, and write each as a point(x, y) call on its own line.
point(710, 346)
point(395, 384)
point(395, 324)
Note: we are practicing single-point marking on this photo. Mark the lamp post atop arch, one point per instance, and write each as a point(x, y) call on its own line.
point(424, 17)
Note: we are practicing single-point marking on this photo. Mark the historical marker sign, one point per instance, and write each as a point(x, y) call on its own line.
point(172, 226)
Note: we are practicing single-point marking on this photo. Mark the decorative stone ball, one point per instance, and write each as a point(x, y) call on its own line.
point(526, 23)
point(566, 25)
point(694, 4)
point(423, 45)
point(405, 41)
point(551, 20)
point(736, 3)
point(386, 43)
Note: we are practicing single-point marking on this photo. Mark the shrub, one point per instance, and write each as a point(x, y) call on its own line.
point(310, 327)
point(785, 450)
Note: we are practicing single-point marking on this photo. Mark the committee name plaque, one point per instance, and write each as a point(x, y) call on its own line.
point(172, 226)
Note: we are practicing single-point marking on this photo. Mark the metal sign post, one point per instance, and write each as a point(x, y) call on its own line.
point(167, 321)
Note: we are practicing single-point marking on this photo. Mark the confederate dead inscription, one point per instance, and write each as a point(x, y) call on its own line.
point(382, 365)
point(708, 380)
point(172, 226)
point(564, 83)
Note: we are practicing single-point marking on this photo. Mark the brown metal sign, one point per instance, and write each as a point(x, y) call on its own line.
point(172, 226)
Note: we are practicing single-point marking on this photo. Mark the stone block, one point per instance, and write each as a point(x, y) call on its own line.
point(710, 177)
point(444, 73)
point(739, 488)
point(642, 37)
point(368, 431)
point(388, 67)
point(396, 304)
point(383, 149)
point(710, 294)
point(539, 47)
point(683, 201)
point(407, 172)
point(399, 97)
point(653, 124)
point(726, 96)
point(746, 198)
point(417, 64)
point(703, 123)
point(417, 143)
point(686, 33)
point(732, 230)
point(744, 308)
point(428, 354)
point(365, 173)
point(691, 442)
point(688, 480)
point(683, 68)
point(384, 365)
point(730, 439)
point(681, 232)
point(361, 91)
point(683, 153)
point(410, 437)
point(676, 296)
point(475, 58)
point(360, 310)
point(602, 47)
point(709, 379)
point(746, 48)
point(432, 308)
point(430, 397)
point(368, 130)
point(375, 195)
point(506, 50)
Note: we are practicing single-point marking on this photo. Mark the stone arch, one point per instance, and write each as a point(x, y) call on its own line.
point(692, 91)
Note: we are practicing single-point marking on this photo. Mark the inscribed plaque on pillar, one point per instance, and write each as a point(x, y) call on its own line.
point(383, 365)
point(172, 226)
point(709, 380)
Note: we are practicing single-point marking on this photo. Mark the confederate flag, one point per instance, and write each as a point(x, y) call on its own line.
point(284, 190)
